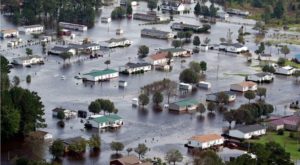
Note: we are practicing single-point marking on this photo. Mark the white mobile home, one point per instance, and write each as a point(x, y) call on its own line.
point(32, 29)
point(204, 85)
point(9, 33)
point(105, 121)
point(205, 141)
point(185, 86)
point(105, 19)
point(136, 67)
point(260, 77)
point(247, 131)
point(100, 75)
point(116, 42)
point(154, 33)
point(244, 86)
point(286, 70)
point(177, 52)
point(28, 60)
point(158, 58)
point(72, 26)
point(213, 96)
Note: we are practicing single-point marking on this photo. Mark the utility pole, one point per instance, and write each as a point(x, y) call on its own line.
point(218, 72)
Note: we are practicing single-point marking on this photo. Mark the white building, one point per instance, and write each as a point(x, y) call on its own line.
point(185, 86)
point(58, 50)
point(68, 113)
point(175, 6)
point(205, 141)
point(158, 58)
point(244, 86)
point(260, 77)
point(136, 67)
point(183, 26)
point(28, 60)
point(72, 26)
point(204, 85)
point(154, 33)
point(204, 47)
point(177, 52)
point(233, 48)
point(100, 75)
point(32, 29)
point(116, 42)
point(247, 131)
point(122, 83)
point(105, 19)
point(147, 17)
point(105, 121)
point(214, 96)
point(9, 33)
point(286, 70)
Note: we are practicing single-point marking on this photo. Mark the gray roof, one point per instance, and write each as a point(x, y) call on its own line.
point(60, 48)
point(28, 57)
point(58, 110)
point(263, 74)
point(250, 128)
point(184, 25)
point(155, 31)
point(83, 46)
point(136, 65)
point(236, 45)
point(230, 93)
point(72, 140)
point(116, 40)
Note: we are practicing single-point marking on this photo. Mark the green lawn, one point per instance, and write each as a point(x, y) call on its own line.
point(293, 64)
point(290, 144)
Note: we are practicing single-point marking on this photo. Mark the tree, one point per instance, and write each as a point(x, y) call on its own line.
point(197, 9)
point(261, 48)
point(28, 79)
point(261, 92)
point(152, 4)
point(129, 150)
point(281, 61)
point(107, 105)
point(188, 35)
point(174, 156)
point(169, 57)
point(201, 108)
point(116, 146)
point(141, 150)
point(180, 35)
point(207, 157)
point(229, 117)
point(157, 98)
point(143, 99)
point(222, 98)
point(285, 50)
point(189, 76)
point(241, 39)
point(244, 159)
point(143, 51)
point(249, 95)
point(118, 13)
point(66, 55)
point(57, 148)
point(16, 80)
point(95, 107)
point(107, 62)
point(196, 41)
point(268, 68)
point(176, 43)
point(10, 120)
point(206, 41)
point(28, 51)
point(211, 107)
point(129, 9)
point(195, 66)
point(296, 75)
point(278, 10)
point(78, 147)
point(61, 115)
point(203, 66)
point(95, 142)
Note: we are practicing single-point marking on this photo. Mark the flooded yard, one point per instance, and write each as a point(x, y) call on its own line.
point(161, 130)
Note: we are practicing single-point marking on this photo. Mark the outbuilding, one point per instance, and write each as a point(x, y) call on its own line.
point(184, 105)
point(205, 141)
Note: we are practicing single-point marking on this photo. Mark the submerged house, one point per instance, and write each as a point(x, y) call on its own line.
point(214, 96)
point(247, 131)
point(116, 42)
point(184, 105)
point(205, 141)
point(154, 33)
point(105, 121)
point(146, 17)
point(9, 33)
point(290, 123)
point(174, 6)
point(185, 27)
point(260, 77)
point(233, 48)
point(286, 70)
point(130, 68)
point(159, 58)
point(32, 29)
point(177, 52)
point(100, 75)
point(59, 50)
point(72, 26)
point(129, 160)
point(244, 86)
point(28, 60)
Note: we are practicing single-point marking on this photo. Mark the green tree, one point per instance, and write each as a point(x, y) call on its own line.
point(116, 146)
point(249, 95)
point(176, 43)
point(152, 4)
point(180, 35)
point(107, 63)
point(278, 10)
point(95, 142)
point(207, 157)
point(201, 108)
point(268, 68)
point(61, 115)
point(241, 39)
point(143, 51)
point(244, 159)
point(129, 9)
point(188, 35)
point(66, 55)
point(195, 66)
point(141, 150)
point(118, 13)
point(28, 51)
point(189, 76)
point(222, 98)
point(107, 105)
point(281, 61)
point(10, 120)
point(143, 99)
point(95, 107)
point(196, 41)
point(174, 156)
point(129, 150)
point(285, 50)
point(197, 9)
point(206, 41)
point(229, 117)
point(169, 57)
point(211, 107)
point(157, 98)
point(261, 92)
point(203, 66)
point(78, 147)
point(16, 80)
point(57, 148)
point(28, 79)
point(261, 48)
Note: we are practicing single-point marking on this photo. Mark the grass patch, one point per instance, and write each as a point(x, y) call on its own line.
point(292, 63)
point(290, 144)
point(236, 74)
point(287, 41)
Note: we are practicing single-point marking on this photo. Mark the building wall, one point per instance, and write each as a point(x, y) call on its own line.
point(197, 144)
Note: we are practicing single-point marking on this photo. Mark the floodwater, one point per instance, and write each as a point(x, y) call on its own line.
point(160, 131)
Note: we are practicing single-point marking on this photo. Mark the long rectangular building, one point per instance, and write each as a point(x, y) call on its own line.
point(100, 75)
point(73, 26)
point(154, 33)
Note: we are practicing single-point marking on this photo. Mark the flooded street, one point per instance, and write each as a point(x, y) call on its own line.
point(160, 131)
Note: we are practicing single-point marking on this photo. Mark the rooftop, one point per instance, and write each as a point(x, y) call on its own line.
point(186, 102)
point(116, 40)
point(185, 25)
point(28, 57)
point(96, 73)
point(8, 31)
point(250, 128)
point(61, 48)
point(206, 138)
point(159, 55)
point(172, 50)
point(58, 109)
point(155, 31)
point(263, 74)
point(230, 93)
point(246, 84)
point(33, 26)
point(136, 65)
point(38, 134)
point(107, 118)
